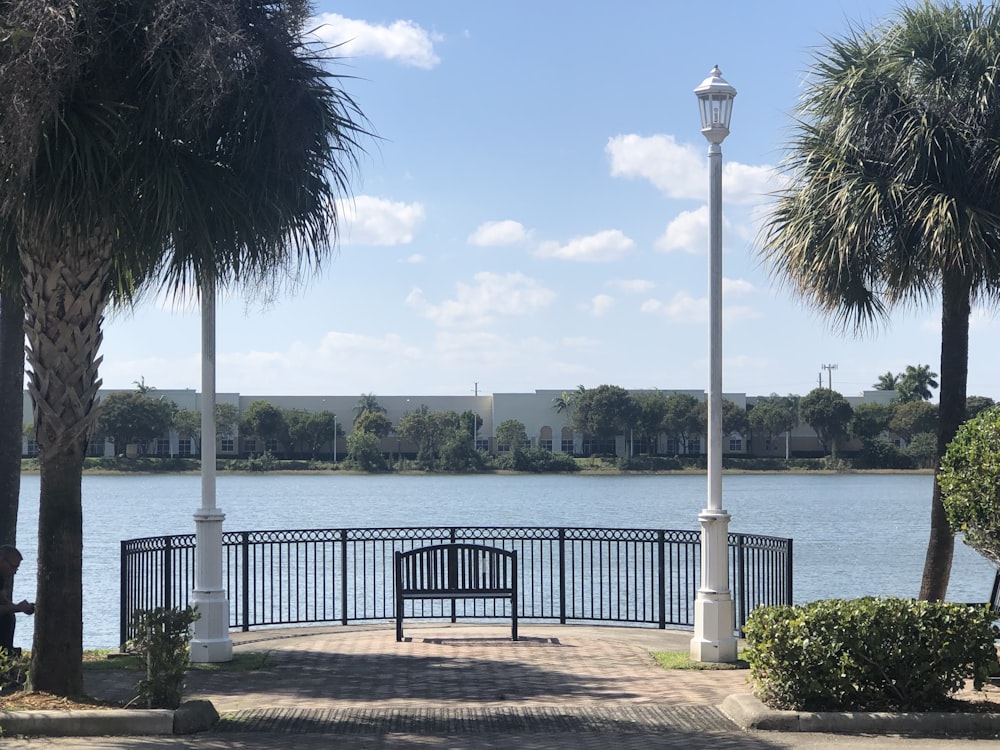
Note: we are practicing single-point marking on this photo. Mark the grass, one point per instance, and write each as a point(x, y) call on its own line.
point(682, 660)
point(107, 659)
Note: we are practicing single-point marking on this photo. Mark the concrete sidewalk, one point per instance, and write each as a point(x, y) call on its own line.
point(469, 686)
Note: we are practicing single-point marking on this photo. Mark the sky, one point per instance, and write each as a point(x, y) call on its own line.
point(533, 215)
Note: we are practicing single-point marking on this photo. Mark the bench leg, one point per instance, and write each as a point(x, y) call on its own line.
point(513, 624)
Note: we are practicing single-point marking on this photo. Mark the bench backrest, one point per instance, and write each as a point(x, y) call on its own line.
point(456, 568)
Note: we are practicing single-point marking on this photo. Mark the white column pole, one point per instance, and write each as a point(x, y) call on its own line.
point(211, 642)
point(714, 621)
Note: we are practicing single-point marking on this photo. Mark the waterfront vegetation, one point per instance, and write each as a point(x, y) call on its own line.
point(532, 462)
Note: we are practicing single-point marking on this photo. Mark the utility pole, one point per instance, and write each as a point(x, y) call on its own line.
point(829, 376)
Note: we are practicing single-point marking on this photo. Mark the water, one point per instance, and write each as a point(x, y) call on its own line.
point(854, 535)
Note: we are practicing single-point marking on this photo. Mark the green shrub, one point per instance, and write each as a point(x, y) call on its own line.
point(534, 460)
point(161, 640)
point(867, 654)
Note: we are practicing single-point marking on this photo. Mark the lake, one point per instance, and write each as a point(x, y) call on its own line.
point(855, 534)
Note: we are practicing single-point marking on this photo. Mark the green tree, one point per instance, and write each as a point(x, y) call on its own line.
point(374, 422)
point(869, 421)
point(265, 421)
point(198, 142)
point(187, 422)
point(970, 483)
point(428, 430)
point(682, 422)
point(227, 419)
point(363, 450)
point(367, 404)
point(651, 414)
point(916, 383)
point(890, 193)
point(469, 424)
point(310, 430)
point(605, 412)
point(887, 381)
point(133, 418)
point(976, 405)
point(913, 417)
point(922, 450)
point(829, 414)
point(511, 433)
point(563, 403)
point(773, 415)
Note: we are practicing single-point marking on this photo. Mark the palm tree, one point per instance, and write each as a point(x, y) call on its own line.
point(367, 404)
point(893, 172)
point(887, 381)
point(915, 384)
point(194, 141)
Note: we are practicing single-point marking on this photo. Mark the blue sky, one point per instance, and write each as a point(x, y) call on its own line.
point(534, 214)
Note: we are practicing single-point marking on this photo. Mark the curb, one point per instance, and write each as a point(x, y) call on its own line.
point(188, 718)
point(118, 721)
point(749, 713)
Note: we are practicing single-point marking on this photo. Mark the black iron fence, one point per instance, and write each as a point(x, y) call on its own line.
point(634, 576)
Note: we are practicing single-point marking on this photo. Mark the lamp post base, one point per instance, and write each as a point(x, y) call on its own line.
point(713, 639)
point(211, 642)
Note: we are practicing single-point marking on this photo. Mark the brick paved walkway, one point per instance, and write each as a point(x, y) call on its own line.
point(467, 686)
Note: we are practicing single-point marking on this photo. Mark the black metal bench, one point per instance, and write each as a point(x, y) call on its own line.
point(994, 602)
point(455, 571)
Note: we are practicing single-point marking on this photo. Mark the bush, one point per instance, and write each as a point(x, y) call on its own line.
point(867, 654)
point(970, 483)
point(161, 640)
point(880, 454)
point(535, 460)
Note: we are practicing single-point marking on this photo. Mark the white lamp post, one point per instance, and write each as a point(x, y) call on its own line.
point(714, 621)
point(211, 642)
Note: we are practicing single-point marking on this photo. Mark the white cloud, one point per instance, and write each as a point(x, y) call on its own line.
point(609, 245)
point(683, 308)
point(499, 233)
point(480, 303)
point(368, 220)
point(631, 286)
point(677, 170)
point(581, 343)
point(402, 41)
point(736, 287)
point(681, 171)
point(415, 258)
point(600, 305)
point(688, 232)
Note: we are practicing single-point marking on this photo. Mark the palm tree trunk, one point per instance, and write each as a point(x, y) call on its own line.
point(955, 312)
point(65, 293)
point(11, 409)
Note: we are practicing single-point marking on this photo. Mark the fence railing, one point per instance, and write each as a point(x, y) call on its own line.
point(634, 576)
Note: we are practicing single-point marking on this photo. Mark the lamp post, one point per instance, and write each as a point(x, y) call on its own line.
point(335, 438)
point(211, 641)
point(714, 621)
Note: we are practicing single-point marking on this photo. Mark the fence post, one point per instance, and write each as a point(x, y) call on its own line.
point(245, 552)
point(661, 577)
point(168, 577)
point(562, 576)
point(123, 596)
point(788, 574)
point(343, 576)
point(452, 536)
point(741, 582)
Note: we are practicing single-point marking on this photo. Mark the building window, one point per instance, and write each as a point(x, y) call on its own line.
point(503, 448)
point(526, 444)
point(567, 446)
point(226, 445)
point(162, 447)
point(184, 447)
point(272, 445)
point(694, 446)
point(94, 448)
point(250, 445)
point(483, 444)
point(735, 445)
point(670, 447)
point(32, 448)
point(545, 445)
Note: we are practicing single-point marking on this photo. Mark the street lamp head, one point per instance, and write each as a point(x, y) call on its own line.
point(715, 102)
